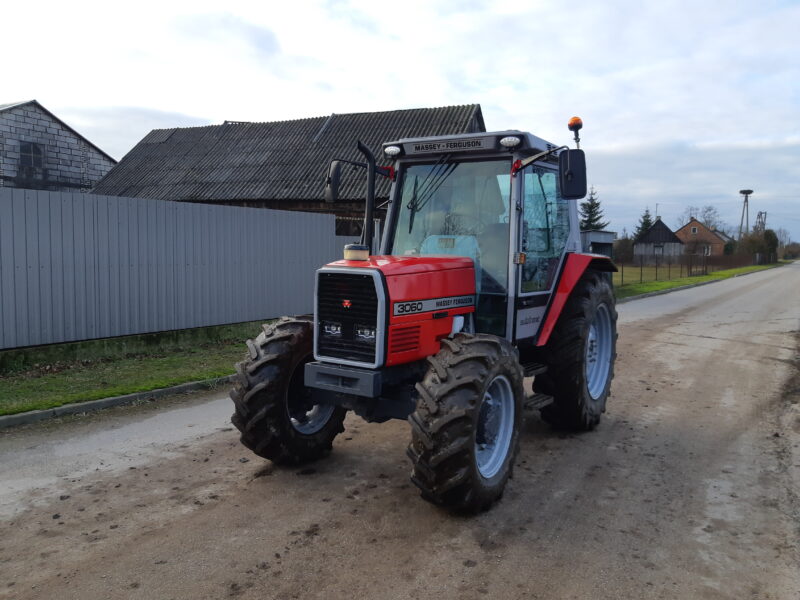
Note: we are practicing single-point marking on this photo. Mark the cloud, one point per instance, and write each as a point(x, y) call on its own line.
point(225, 28)
point(672, 93)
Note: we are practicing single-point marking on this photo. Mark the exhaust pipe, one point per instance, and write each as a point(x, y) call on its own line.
point(369, 223)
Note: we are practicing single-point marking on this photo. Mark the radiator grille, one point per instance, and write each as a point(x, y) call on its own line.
point(350, 300)
point(404, 339)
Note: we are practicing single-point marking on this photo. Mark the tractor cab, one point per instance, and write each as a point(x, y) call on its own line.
point(471, 195)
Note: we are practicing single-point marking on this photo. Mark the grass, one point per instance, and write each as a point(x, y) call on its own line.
point(146, 344)
point(637, 289)
point(51, 386)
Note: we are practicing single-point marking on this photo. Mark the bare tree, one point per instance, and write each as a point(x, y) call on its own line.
point(707, 215)
point(784, 237)
point(686, 216)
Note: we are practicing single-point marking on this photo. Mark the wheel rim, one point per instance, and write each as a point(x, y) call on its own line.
point(306, 417)
point(598, 352)
point(495, 427)
point(311, 421)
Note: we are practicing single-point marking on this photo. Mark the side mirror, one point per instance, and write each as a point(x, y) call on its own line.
point(332, 182)
point(572, 174)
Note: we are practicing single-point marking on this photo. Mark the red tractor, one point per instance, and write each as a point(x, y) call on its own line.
point(480, 281)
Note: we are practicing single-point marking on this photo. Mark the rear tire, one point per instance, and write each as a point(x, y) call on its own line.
point(274, 410)
point(465, 430)
point(580, 356)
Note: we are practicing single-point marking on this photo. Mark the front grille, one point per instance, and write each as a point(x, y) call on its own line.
point(404, 339)
point(350, 300)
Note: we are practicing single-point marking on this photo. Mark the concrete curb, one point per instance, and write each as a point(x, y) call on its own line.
point(93, 405)
point(687, 287)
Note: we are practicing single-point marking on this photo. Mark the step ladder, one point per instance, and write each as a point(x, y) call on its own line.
point(536, 401)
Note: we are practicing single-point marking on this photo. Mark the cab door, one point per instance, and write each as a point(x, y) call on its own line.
point(544, 232)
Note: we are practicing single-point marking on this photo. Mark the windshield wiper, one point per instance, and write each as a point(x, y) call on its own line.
point(431, 191)
point(412, 205)
point(422, 193)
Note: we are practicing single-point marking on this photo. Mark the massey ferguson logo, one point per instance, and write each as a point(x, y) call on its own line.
point(346, 304)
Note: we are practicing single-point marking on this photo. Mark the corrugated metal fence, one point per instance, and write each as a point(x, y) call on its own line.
point(80, 266)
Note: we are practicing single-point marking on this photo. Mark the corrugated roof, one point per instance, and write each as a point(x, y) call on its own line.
point(4, 107)
point(659, 233)
point(280, 160)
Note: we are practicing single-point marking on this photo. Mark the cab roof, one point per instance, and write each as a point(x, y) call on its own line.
point(469, 142)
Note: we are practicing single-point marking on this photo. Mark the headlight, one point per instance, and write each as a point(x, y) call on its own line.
point(331, 329)
point(365, 332)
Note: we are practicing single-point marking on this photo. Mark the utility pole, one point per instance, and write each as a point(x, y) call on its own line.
point(745, 213)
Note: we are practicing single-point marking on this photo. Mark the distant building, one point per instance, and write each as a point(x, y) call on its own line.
point(279, 165)
point(39, 151)
point(657, 244)
point(700, 240)
point(598, 241)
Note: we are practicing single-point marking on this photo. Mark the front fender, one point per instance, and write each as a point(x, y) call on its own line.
point(574, 267)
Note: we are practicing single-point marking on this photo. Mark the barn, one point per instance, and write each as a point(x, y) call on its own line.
point(280, 164)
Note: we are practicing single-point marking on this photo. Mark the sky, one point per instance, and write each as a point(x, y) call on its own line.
point(684, 103)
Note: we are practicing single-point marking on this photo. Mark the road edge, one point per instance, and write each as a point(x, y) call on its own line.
point(34, 416)
point(690, 286)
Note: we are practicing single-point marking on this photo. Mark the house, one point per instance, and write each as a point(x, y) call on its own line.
point(39, 151)
point(278, 165)
point(657, 245)
point(700, 240)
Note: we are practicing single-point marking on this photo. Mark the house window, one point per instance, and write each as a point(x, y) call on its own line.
point(31, 155)
point(694, 230)
point(707, 250)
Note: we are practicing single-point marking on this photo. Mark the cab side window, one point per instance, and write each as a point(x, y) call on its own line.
point(545, 229)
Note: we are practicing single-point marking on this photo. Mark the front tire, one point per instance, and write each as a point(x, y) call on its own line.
point(580, 356)
point(274, 410)
point(465, 430)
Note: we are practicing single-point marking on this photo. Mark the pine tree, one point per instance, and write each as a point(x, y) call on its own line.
point(591, 213)
point(645, 223)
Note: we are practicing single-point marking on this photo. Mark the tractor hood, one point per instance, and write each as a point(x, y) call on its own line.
point(410, 302)
point(407, 265)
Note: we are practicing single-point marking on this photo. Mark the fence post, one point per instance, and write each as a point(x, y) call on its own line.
point(656, 257)
point(669, 262)
point(641, 268)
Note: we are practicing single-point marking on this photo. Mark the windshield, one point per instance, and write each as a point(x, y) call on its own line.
point(461, 209)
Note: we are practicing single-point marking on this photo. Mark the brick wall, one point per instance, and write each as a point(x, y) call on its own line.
point(71, 164)
point(701, 241)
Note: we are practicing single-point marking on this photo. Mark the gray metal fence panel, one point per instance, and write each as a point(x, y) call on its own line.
point(76, 266)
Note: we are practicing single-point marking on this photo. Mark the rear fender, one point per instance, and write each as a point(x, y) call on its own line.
point(574, 267)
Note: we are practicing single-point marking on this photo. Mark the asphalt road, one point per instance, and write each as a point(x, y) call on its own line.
point(688, 488)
